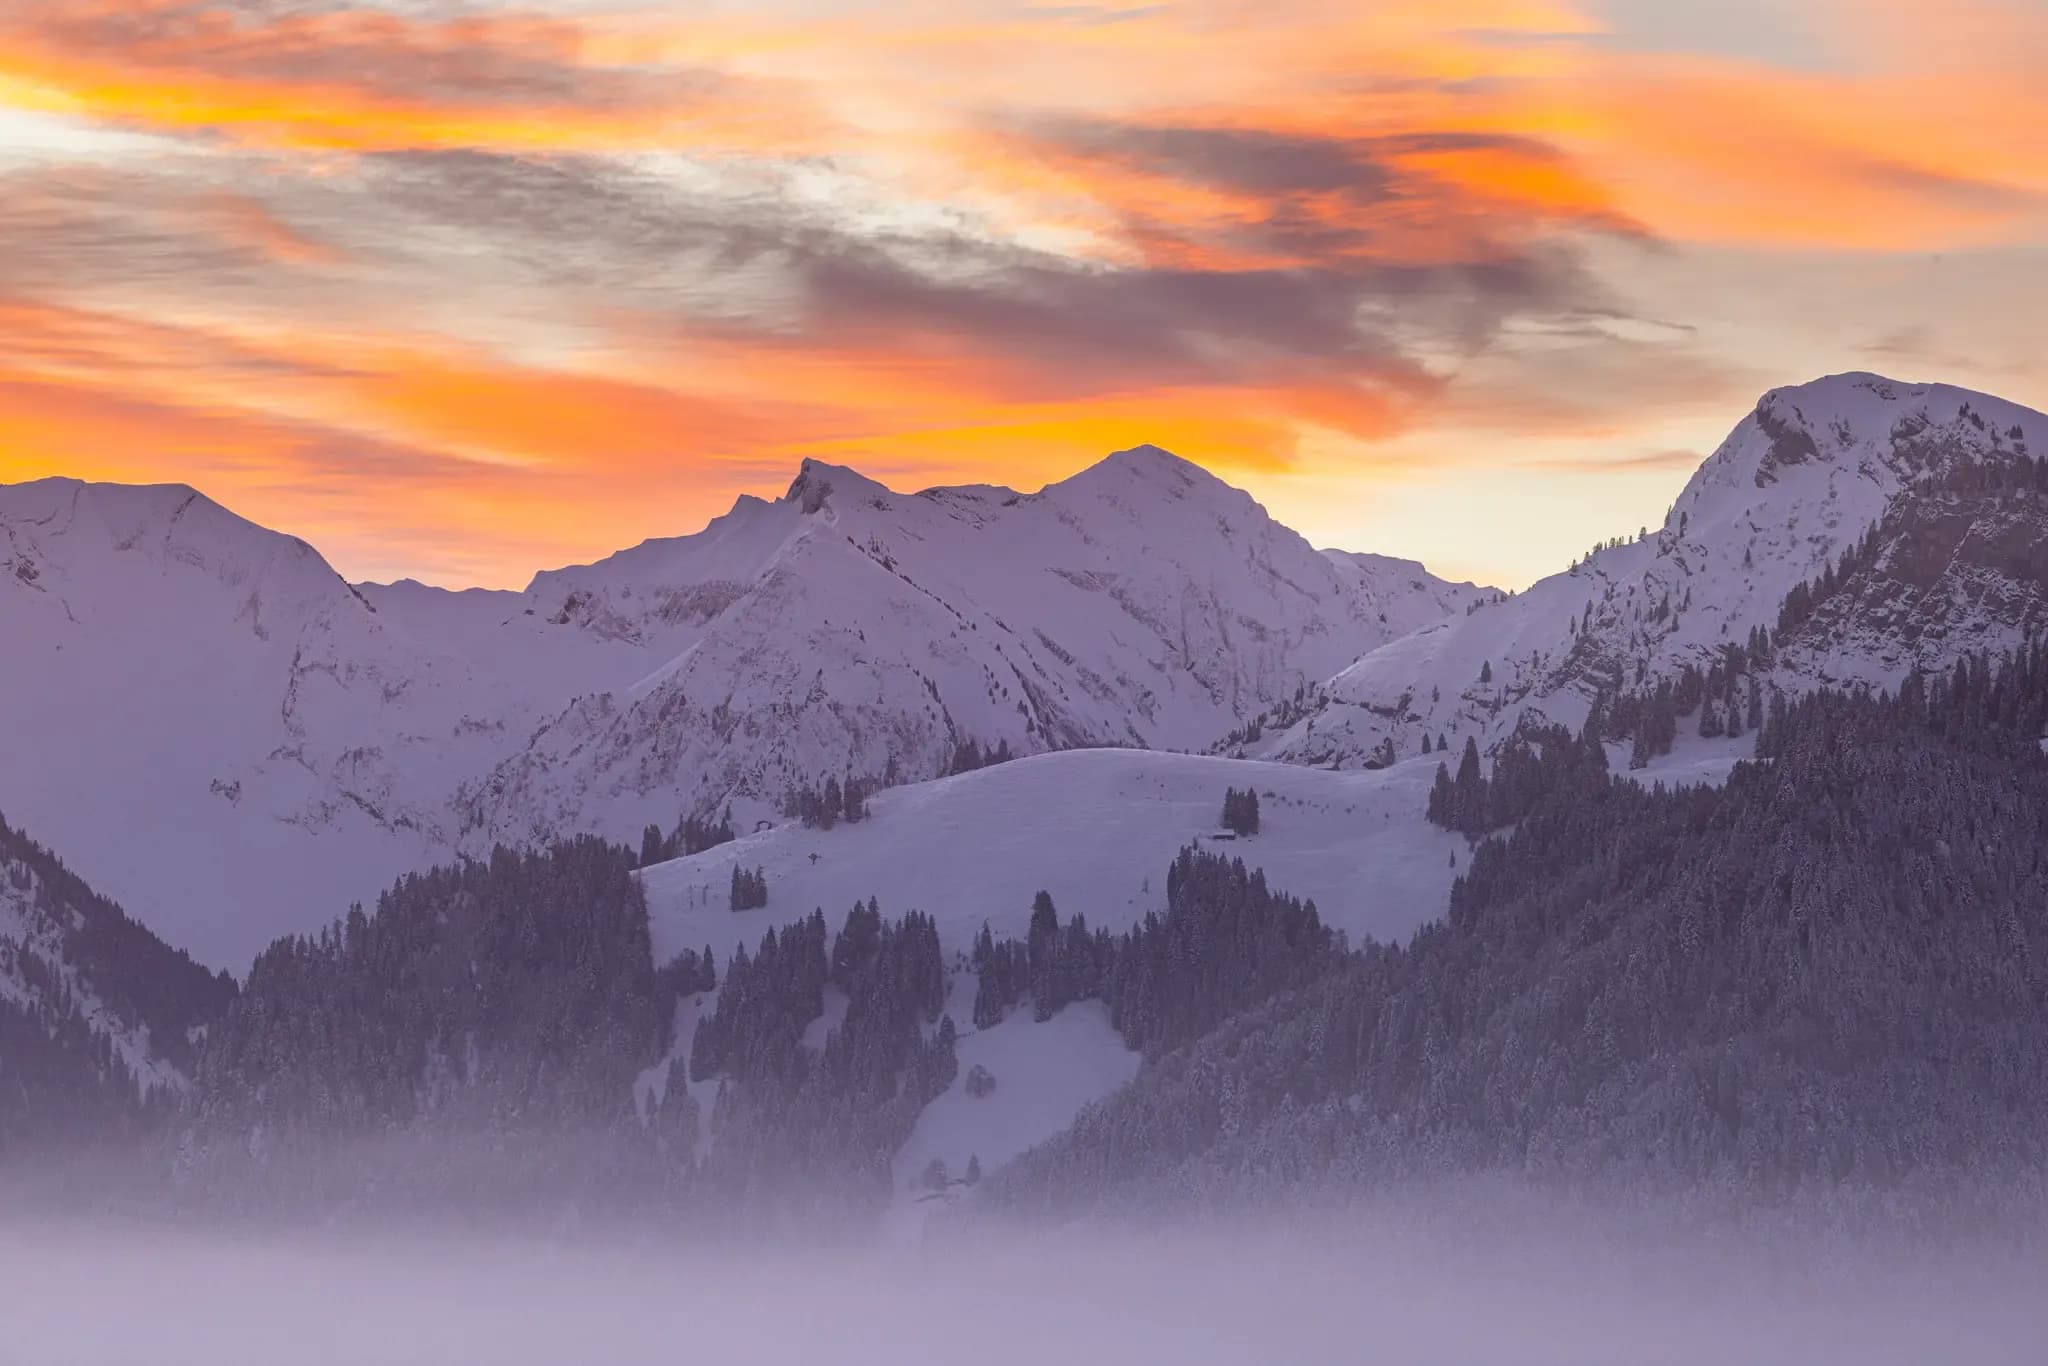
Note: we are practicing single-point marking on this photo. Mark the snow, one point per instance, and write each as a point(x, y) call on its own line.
point(829, 1019)
point(846, 628)
point(181, 682)
point(1796, 483)
point(1095, 828)
point(650, 1088)
point(1045, 1072)
point(207, 723)
point(221, 734)
point(1692, 762)
point(1098, 829)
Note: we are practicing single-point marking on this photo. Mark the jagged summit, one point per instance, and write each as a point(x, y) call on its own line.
point(816, 481)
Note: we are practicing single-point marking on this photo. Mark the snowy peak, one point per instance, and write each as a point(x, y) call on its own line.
point(816, 482)
point(848, 629)
point(59, 535)
point(1878, 428)
point(1149, 464)
point(1149, 479)
point(194, 683)
point(1797, 486)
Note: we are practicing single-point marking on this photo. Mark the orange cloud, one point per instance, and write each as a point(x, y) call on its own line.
point(415, 454)
point(1729, 153)
point(249, 221)
point(361, 80)
point(946, 242)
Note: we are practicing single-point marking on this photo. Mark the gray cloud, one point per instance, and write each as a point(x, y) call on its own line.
point(759, 262)
point(429, 54)
point(488, 241)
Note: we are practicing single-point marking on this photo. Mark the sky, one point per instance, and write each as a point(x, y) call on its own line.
point(461, 289)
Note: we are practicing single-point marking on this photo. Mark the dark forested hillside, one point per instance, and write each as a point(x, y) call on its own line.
point(516, 992)
point(1835, 969)
point(99, 1019)
point(1226, 942)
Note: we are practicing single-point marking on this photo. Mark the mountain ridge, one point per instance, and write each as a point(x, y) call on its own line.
point(1801, 478)
point(215, 684)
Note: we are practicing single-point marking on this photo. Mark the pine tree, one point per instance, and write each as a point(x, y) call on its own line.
point(1442, 799)
point(1468, 798)
point(749, 889)
point(1241, 811)
point(831, 804)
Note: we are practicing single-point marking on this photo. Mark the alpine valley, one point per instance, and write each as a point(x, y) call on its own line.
point(868, 852)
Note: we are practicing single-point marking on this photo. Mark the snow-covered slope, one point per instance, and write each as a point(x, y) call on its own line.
point(208, 721)
point(1045, 1073)
point(1095, 828)
point(222, 733)
point(1795, 486)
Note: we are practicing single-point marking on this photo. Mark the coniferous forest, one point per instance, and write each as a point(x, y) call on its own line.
point(86, 974)
point(1833, 971)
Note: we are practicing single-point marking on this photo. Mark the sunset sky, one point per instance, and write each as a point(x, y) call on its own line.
point(460, 290)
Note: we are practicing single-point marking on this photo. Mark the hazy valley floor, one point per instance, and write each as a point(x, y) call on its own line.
point(1455, 1286)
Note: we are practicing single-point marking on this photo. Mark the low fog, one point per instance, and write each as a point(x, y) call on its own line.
point(1366, 1287)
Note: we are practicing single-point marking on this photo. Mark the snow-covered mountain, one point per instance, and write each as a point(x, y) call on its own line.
point(849, 629)
point(220, 731)
point(1793, 491)
point(214, 727)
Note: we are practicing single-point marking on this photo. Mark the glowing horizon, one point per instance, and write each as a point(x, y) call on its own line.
point(458, 290)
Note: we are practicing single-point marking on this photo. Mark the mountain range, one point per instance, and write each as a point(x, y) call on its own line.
point(200, 684)
point(929, 707)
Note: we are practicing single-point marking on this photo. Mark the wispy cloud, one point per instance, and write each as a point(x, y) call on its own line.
point(1677, 459)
